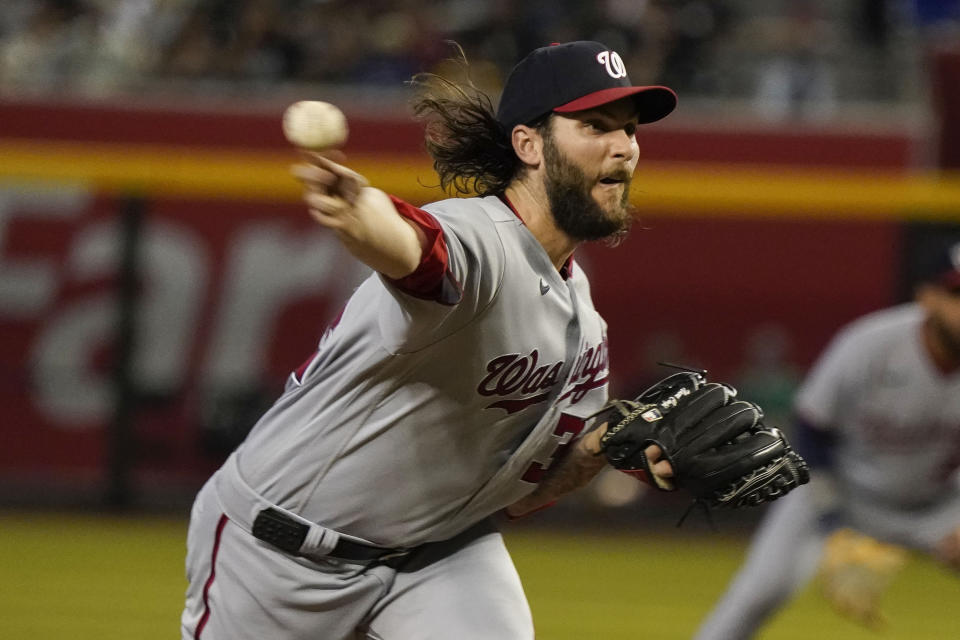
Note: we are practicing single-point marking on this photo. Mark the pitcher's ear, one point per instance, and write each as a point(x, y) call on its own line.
point(527, 144)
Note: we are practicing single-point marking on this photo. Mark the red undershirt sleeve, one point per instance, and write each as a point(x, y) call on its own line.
point(432, 279)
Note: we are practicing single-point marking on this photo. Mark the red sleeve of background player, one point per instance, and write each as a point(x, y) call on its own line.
point(432, 279)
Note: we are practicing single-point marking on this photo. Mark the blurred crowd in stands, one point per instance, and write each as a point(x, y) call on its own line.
point(790, 57)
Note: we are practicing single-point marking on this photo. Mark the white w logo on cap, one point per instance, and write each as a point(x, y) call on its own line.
point(613, 63)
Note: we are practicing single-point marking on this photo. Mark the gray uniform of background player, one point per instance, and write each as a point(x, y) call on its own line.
point(895, 461)
point(375, 445)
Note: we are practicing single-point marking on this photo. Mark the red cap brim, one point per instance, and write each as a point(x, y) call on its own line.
point(653, 102)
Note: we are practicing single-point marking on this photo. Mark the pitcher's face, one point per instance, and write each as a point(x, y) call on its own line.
point(590, 158)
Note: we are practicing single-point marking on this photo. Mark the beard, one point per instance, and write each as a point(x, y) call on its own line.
point(574, 208)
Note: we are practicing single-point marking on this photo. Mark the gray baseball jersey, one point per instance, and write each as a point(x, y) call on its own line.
point(418, 417)
point(896, 416)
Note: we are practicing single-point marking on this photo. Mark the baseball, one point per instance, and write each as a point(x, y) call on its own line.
point(315, 125)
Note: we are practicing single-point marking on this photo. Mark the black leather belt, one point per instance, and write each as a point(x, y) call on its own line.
point(282, 531)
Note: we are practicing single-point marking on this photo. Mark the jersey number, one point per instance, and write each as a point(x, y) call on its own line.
point(568, 428)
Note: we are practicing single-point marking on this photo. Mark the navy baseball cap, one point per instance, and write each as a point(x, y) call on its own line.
point(574, 76)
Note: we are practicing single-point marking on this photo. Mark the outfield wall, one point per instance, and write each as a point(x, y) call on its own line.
point(756, 245)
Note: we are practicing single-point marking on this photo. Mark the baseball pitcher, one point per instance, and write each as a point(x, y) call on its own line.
point(466, 377)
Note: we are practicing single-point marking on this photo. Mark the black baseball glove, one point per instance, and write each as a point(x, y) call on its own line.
point(719, 448)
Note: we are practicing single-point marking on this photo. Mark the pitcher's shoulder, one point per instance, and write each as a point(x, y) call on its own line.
point(481, 210)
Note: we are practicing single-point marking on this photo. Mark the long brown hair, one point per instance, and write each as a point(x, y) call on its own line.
point(471, 151)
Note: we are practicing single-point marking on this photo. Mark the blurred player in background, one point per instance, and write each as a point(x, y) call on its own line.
point(452, 384)
point(879, 423)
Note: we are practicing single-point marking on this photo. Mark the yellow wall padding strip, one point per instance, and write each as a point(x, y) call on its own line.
point(676, 189)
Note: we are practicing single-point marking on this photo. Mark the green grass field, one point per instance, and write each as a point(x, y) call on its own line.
point(84, 577)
